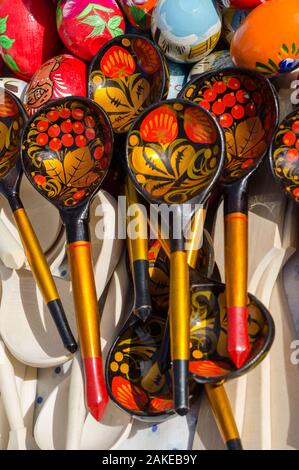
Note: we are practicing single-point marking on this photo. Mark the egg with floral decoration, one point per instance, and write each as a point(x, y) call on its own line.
point(28, 35)
point(138, 12)
point(186, 30)
point(61, 76)
point(267, 40)
point(84, 26)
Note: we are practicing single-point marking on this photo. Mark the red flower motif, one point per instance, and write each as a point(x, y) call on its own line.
point(79, 194)
point(247, 164)
point(40, 180)
point(199, 127)
point(160, 125)
point(129, 395)
point(148, 58)
point(117, 62)
point(208, 368)
point(160, 404)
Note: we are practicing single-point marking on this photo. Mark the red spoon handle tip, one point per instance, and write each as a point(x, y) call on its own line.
point(96, 395)
point(238, 339)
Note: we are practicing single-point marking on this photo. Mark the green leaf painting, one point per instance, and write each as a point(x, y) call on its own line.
point(6, 43)
point(3, 26)
point(59, 14)
point(138, 16)
point(91, 17)
point(91, 7)
point(113, 26)
point(11, 62)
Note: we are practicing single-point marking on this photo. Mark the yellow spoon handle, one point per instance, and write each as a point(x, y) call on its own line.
point(224, 415)
point(35, 257)
point(43, 277)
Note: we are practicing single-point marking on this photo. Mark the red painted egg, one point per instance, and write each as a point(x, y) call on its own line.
point(28, 35)
point(61, 76)
point(85, 26)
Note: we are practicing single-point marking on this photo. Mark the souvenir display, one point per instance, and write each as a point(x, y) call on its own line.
point(61, 76)
point(186, 30)
point(267, 39)
point(148, 134)
point(84, 26)
point(28, 35)
point(138, 12)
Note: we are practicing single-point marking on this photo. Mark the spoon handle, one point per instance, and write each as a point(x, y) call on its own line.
point(44, 278)
point(138, 251)
point(179, 318)
point(87, 315)
point(236, 261)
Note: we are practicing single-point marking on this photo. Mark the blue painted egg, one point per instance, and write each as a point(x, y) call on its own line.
point(186, 30)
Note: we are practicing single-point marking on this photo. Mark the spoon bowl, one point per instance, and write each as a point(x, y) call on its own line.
point(210, 361)
point(127, 75)
point(284, 155)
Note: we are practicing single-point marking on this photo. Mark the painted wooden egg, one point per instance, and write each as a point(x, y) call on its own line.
point(61, 76)
point(85, 26)
point(267, 40)
point(138, 12)
point(216, 60)
point(186, 30)
point(28, 35)
point(15, 86)
point(242, 4)
point(231, 21)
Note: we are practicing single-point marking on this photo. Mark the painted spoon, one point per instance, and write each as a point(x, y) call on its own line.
point(12, 122)
point(128, 74)
point(246, 106)
point(175, 153)
point(68, 170)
